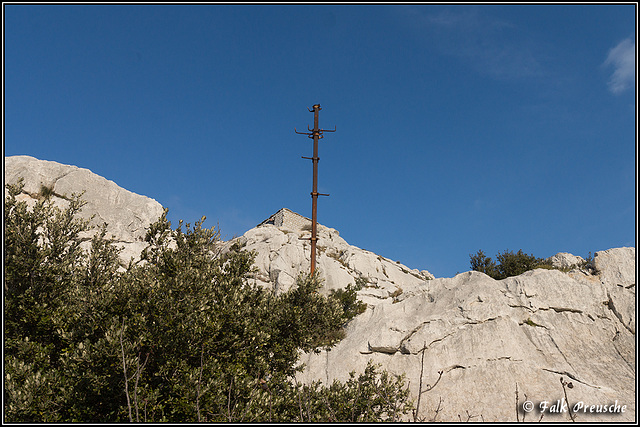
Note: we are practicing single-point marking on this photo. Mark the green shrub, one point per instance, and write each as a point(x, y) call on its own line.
point(45, 191)
point(348, 300)
point(588, 265)
point(509, 264)
point(180, 337)
point(480, 262)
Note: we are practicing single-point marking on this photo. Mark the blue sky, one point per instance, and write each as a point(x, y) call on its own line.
point(459, 127)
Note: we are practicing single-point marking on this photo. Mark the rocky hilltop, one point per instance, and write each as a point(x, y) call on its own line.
point(283, 252)
point(475, 340)
point(127, 215)
point(478, 342)
point(476, 348)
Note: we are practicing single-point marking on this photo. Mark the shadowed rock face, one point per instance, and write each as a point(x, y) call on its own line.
point(127, 214)
point(476, 340)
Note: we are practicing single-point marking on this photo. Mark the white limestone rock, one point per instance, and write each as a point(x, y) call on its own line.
point(488, 336)
point(616, 266)
point(127, 214)
point(565, 260)
point(283, 254)
point(617, 272)
point(485, 336)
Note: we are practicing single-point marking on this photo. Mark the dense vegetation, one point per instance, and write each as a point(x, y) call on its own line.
point(509, 264)
point(180, 336)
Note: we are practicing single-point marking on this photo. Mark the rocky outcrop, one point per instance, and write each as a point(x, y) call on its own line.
point(564, 260)
point(126, 214)
point(476, 340)
point(282, 254)
point(479, 340)
point(617, 272)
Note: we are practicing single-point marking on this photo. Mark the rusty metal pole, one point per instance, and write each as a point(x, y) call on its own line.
point(314, 192)
point(316, 134)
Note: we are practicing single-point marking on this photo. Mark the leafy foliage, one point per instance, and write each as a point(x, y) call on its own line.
point(179, 336)
point(348, 299)
point(482, 263)
point(372, 396)
point(509, 264)
point(588, 265)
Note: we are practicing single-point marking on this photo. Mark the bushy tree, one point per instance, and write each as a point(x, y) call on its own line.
point(372, 396)
point(482, 263)
point(509, 263)
point(348, 298)
point(179, 336)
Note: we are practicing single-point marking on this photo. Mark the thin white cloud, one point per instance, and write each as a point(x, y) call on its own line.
point(623, 60)
point(487, 43)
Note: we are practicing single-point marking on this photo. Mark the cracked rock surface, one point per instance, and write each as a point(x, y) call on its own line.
point(486, 336)
point(127, 214)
